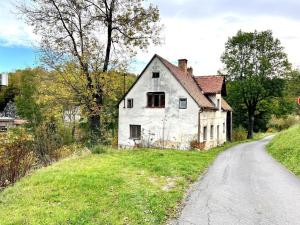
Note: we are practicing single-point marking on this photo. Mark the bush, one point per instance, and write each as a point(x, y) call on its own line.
point(239, 134)
point(66, 151)
point(16, 156)
point(280, 124)
point(50, 138)
point(197, 145)
point(99, 149)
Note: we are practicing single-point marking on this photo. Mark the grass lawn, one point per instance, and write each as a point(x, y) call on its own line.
point(117, 187)
point(285, 147)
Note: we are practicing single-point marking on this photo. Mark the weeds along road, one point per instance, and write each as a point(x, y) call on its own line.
point(244, 186)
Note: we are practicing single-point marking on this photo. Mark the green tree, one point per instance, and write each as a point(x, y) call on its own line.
point(255, 64)
point(42, 112)
point(94, 36)
point(26, 101)
point(292, 91)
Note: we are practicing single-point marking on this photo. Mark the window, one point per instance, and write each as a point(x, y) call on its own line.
point(155, 75)
point(224, 128)
point(211, 132)
point(135, 132)
point(218, 104)
point(130, 103)
point(204, 133)
point(182, 103)
point(156, 99)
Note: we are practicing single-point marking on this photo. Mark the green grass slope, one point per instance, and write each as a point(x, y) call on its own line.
point(285, 147)
point(119, 187)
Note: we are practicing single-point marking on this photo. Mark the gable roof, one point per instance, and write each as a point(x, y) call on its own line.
point(188, 83)
point(211, 84)
point(192, 86)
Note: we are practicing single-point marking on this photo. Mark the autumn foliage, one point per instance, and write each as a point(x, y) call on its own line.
point(16, 157)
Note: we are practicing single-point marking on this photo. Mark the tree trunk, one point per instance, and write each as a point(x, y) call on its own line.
point(250, 124)
point(108, 47)
point(94, 122)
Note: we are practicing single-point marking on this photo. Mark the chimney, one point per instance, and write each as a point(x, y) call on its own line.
point(182, 64)
point(190, 71)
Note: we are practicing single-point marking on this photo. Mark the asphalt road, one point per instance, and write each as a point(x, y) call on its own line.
point(244, 186)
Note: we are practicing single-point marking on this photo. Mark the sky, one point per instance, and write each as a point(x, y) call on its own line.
point(193, 29)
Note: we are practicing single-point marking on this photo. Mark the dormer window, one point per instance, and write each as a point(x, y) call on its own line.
point(155, 75)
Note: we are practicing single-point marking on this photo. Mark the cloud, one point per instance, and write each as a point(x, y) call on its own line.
point(202, 40)
point(194, 29)
point(211, 8)
point(14, 32)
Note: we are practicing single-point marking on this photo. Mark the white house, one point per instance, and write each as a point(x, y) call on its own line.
point(169, 107)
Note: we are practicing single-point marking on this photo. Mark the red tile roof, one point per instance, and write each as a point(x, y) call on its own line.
point(188, 82)
point(210, 84)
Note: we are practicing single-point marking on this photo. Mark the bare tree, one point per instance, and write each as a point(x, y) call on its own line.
point(92, 35)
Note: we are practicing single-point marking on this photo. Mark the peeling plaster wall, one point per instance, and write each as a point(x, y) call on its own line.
point(168, 127)
point(218, 120)
point(215, 118)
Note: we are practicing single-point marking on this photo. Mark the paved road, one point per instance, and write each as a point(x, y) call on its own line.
point(244, 186)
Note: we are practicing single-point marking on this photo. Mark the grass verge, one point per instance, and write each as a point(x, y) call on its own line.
point(285, 148)
point(117, 187)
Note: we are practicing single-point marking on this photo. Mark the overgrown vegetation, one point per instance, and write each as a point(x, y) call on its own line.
point(16, 156)
point(282, 123)
point(54, 119)
point(19, 154)
point(116, 187)
point(285, 147)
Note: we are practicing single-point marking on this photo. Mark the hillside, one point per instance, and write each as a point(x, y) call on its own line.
point(285, 148)
point(129, 187)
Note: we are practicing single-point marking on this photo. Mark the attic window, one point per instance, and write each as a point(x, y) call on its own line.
point(130, 103)
point(156, 100)
point(182, 103)
point(155, 75)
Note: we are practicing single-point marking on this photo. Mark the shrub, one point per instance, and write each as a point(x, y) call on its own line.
point(51, 137)
point(283, 123)
point(99, 149)
point(67, 150)
point(197, 145)
point(239, 134)
point(16, 156)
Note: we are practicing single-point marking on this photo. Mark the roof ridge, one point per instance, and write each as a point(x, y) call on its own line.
point(208, 76)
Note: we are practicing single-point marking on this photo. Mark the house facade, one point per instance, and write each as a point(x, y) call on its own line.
point(169, 107)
